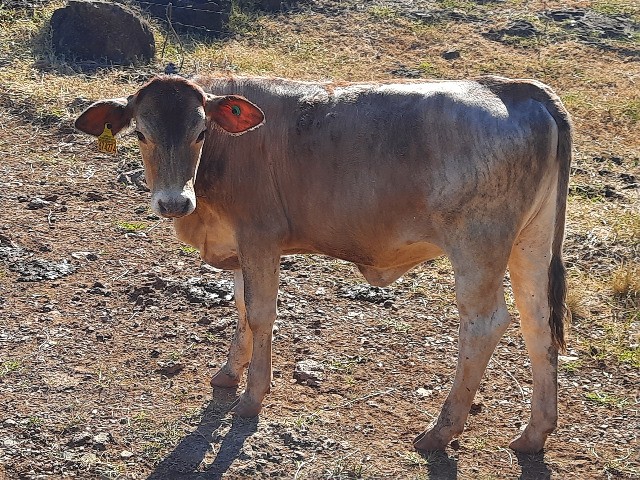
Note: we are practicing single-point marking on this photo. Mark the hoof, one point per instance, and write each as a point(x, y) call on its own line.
point(428, 441)
point(525, 444)
point(247, 407)
point(224, 380)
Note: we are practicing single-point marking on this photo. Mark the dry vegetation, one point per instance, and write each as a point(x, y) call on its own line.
point(84, 354)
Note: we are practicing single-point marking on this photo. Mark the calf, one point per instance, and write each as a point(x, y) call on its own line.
point(383, 175)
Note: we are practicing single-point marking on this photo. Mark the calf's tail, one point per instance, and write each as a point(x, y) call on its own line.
point(560, 313)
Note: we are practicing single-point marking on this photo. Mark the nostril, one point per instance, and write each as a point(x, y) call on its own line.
point(162, 208)
point(186, 207)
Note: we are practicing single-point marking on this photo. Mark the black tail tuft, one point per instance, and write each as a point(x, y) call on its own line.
point(557, 302)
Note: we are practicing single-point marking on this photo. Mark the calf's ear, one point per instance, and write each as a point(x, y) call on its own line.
point(233, 114)
point(115, 111)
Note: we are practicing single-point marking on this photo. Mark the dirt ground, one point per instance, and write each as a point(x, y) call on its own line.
point(110, 330)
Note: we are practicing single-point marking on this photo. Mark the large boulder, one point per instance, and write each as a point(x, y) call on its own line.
point(101, 31)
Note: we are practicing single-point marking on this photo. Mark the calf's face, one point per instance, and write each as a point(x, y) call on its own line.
point(172, 120)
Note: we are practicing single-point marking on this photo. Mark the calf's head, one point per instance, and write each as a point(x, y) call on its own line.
point(172, 119)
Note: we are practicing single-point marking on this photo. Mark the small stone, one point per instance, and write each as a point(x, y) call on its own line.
point(37, 203)
point(567, 358)
point(79, 439)
point(101, 440)
point(451, 54)
point(9, 422)
point(423, 392)
point(309, 372)
point(126, 454)
point(170, 368)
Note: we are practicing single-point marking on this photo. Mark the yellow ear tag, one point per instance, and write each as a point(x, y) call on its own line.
point(106, 141)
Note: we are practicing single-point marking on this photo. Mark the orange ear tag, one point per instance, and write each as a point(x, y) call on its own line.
point(106, 141)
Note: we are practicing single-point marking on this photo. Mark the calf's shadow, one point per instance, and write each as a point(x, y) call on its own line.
point(182, 463)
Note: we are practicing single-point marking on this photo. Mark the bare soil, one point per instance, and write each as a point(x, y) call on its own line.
point(110, 330)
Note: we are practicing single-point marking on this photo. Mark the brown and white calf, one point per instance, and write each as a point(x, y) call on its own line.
point(383, 175)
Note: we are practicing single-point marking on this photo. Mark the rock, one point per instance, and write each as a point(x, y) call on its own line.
point(134, 177)
point(592, 24)
point(101, 440)
point(451, 54)
point(170, 368)
point(79, 439)
point(309, 372)
point(519, 28)
point(367, 293)
point(37, 270)
point(97, 31)
point(403, 71)
point(9, 442)
point(126, 454)
point(423, 392)
point(94, 197)
point(37, 203)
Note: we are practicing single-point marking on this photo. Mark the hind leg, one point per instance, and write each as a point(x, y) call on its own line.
point(483, 320)
point(529, 271)
point(240, 349)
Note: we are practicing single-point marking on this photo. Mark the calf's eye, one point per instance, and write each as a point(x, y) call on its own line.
point(140, 136)
point(201, 136)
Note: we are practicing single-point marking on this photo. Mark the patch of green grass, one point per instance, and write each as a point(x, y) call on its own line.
point(429, 69)
point(347, 469)
point(396, 325)
point(460, 5)
point(605, 399)
point(345, 365)
point(617, 7)
point(631, 110)
point(304, 421)
point(8, 367)
point(131, 227)
point(189, 250)
point(572, 366)
point(577, 101)
point(34, 422)
point(414, 459)
point(382, 12)
point(141, 417)
point(631, 356)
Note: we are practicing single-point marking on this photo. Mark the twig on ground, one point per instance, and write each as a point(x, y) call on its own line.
point(359, 399)
point(508, 453)
point(524, 399)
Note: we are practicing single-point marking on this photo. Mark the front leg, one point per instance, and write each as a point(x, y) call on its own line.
point(241, 344)
point(260, 272)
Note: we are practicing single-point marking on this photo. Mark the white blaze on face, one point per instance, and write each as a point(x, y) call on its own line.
point(171, 156)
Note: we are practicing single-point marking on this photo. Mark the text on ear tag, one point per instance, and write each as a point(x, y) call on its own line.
point(106, 141)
